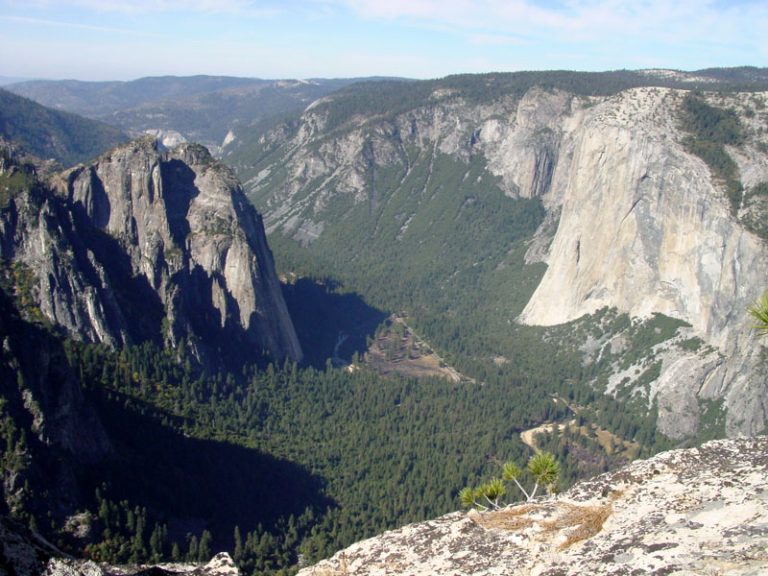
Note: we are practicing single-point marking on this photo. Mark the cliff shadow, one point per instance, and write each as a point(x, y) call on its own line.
point(220, 341)
point(196, 483)
point(130, 298)
point(179, 190)
point(37, 384)
point(330, 324)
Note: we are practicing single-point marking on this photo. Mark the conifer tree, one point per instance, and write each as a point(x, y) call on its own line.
point(238, 551)
point(192, 549)
point(204, 548)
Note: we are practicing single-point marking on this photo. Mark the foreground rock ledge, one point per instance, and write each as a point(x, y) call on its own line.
point(683, 512)
point(220, 565)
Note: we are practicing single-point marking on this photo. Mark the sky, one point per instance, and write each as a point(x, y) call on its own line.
point(125, 39)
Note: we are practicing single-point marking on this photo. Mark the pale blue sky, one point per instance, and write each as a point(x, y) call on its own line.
point(125, 39)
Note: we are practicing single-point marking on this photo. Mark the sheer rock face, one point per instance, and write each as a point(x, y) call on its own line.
point(42, 393)
point(645, 228)
point(686, 512)
point(145, 244)
point(634, 220)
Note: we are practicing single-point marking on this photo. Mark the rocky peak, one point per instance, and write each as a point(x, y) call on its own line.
point(696, 511)
point(146, 244)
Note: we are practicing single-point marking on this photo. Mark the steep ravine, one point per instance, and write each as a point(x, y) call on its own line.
point(635, 222)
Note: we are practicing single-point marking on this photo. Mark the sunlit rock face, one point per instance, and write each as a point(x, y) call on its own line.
point(643, 227)
point(219, 565)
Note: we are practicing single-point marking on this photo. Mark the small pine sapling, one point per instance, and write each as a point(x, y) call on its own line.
point(542, 466)
point(493, 492)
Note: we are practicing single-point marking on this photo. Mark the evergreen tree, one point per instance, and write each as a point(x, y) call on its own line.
point(192, 549)
point(238, 548)
point(204, 548)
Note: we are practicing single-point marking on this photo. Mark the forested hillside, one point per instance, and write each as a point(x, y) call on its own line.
point(48, 133)
point(295, 461)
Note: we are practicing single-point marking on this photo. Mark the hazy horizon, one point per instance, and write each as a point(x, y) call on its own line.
point(101, 40)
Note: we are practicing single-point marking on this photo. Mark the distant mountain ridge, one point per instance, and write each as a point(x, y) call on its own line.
point(12, 80)
point(100, 98)
point(202, 108)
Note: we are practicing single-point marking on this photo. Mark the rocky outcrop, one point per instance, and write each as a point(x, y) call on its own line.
point(695, 511)
point(220, 565)
point(145, 244)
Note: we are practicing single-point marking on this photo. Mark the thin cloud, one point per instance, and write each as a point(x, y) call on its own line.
point(496, 40)
point(137, 7)
point(578, 20)
point(61, 24)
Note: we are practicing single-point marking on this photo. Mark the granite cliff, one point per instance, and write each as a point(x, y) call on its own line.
point(146, 244)
point(644, 227)
point(635, 222)
point(683, 512)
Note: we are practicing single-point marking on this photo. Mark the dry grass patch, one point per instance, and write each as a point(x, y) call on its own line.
point(574, 522)
point(509, 518)
point(578, 522)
